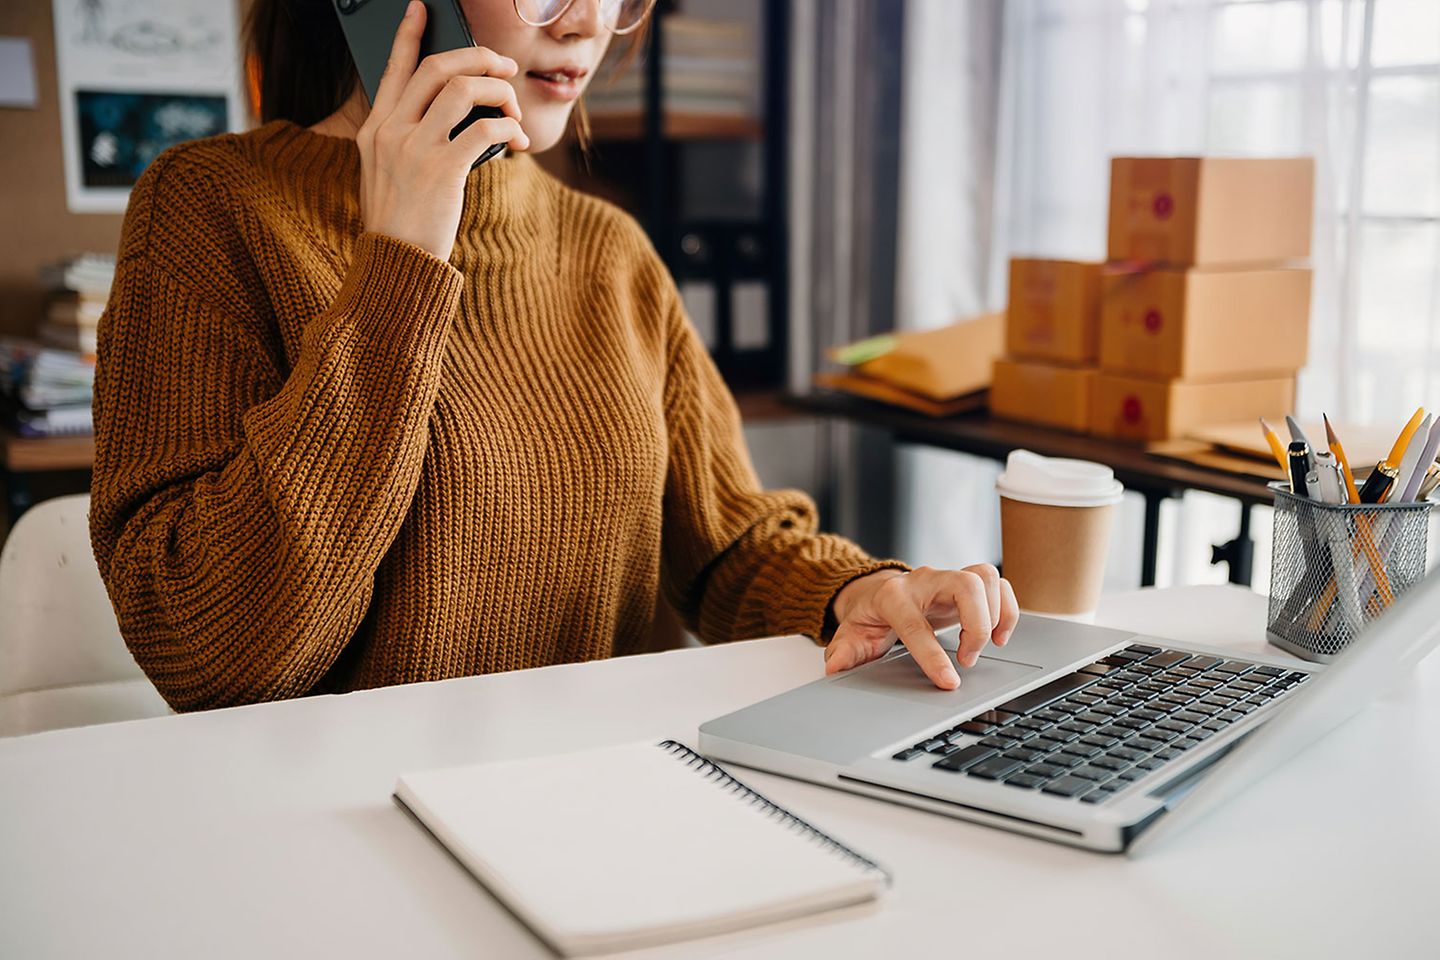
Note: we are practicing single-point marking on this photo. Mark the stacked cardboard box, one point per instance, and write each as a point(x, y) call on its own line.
point(1052, 338)
point(1204, 317)
point(1200, 316)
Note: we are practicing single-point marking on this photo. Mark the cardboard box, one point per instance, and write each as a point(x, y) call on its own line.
point(943, 363)
point(1054, 310)
point(1133, 408)
point(1204, 323)
point(1191, 210)
point(1046, 393)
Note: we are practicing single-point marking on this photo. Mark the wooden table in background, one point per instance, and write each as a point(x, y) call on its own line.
point(22, 456)
point(982, 435)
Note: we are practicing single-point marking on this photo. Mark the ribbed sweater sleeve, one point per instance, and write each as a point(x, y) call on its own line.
point(739, 562)
point(242, 503)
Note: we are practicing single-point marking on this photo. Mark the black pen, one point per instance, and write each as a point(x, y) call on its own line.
point(1378, 484)
point(1299, 452)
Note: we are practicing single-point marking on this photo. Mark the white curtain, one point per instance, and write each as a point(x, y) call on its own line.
point(946, 506)
point(1354, 83)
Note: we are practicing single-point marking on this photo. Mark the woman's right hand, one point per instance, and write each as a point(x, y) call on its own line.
point(412, 175)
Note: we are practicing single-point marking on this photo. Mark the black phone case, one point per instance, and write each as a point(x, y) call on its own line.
point(370, 26)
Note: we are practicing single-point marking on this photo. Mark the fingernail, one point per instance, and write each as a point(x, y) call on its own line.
point(410, 8)
point(828, 652)
point(951, 677)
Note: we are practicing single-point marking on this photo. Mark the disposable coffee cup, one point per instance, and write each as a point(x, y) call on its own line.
point(1055, 522)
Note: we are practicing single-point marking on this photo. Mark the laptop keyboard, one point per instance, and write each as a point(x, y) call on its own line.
point(1091, 733)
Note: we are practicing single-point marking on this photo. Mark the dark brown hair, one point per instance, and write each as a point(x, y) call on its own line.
point(297, 62)
point(298, 67)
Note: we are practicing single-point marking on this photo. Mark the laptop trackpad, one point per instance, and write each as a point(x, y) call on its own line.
point(898, 676)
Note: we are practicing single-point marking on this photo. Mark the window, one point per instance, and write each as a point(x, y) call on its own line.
point(1355, 83)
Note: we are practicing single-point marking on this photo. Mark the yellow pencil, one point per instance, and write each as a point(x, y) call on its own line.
point(1380, 479)
point(1276, 447)
point(1397, 452)
point(1364, 534)
point(1350, 492)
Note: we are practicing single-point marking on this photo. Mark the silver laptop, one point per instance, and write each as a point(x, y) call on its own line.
point(1088, 736)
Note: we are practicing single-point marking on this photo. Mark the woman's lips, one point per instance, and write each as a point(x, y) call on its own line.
point(557, 86)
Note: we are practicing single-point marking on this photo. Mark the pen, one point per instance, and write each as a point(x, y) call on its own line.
point(1407, 453)
point(1300, 471)
point(1299, 466)
point(1378, 483)
point(1351, 494)
point(1383, 476)
point(1345, 579)
point(1363, 542)
point(1410, 463)
point(1327, 471)
point(1276, 447)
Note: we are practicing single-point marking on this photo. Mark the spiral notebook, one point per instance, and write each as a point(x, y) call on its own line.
point(632, 846)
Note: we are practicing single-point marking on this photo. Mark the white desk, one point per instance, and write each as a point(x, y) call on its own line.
point(269, 830)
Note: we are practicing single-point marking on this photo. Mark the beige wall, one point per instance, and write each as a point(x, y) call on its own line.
point(35, 226)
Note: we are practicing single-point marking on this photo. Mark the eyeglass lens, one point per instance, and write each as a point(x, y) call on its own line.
point(619, 16)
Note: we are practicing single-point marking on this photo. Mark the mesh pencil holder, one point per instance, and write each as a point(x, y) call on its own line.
point(1338, 567)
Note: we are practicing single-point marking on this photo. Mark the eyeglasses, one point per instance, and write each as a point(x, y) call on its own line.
point(618, 16)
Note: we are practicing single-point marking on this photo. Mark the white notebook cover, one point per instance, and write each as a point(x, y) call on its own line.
point(632, 846)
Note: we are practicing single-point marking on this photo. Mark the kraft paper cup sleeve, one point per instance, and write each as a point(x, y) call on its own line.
point(1055, 522)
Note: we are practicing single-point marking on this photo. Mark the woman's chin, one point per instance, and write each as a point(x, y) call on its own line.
point(542, 140)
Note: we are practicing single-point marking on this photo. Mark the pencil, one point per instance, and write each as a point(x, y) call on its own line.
point(1351, 493)
point(1383, 476)
point(1397, 452)
point(1276, 447)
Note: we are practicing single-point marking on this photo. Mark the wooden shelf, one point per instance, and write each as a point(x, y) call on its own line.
point(765, 406)
point(677, 126)
point(34, 454)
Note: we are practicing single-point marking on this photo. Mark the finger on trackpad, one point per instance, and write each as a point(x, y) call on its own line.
point(899, 676)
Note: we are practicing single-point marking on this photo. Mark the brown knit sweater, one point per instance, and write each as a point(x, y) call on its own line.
point(327, 460)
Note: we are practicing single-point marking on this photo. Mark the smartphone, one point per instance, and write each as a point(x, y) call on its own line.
point(370, 26)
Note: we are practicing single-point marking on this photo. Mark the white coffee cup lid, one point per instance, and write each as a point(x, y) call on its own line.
point(1031, 478)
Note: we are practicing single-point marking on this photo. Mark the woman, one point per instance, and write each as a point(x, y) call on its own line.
point(365, 416)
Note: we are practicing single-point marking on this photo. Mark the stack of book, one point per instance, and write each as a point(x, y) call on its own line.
point(45, 392)
point(77, 291)
point(710, 68)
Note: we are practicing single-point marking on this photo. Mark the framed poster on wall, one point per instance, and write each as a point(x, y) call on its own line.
point(136, 77)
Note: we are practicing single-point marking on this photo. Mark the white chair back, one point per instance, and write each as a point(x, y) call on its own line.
point(62, 660)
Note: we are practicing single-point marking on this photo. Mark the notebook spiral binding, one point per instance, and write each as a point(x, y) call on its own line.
point(716, 774)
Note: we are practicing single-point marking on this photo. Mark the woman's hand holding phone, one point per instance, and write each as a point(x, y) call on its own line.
point(412, 175)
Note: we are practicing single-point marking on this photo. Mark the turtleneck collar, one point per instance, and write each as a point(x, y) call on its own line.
point(507, 194)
